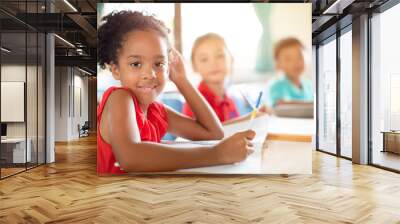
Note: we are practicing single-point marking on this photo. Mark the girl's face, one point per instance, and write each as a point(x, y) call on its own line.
point(142, 64)
point(212, 60)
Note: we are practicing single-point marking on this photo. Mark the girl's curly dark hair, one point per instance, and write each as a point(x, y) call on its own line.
point(115, 25)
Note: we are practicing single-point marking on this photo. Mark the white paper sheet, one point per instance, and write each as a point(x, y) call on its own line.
point(259, 125)
point(252, 164)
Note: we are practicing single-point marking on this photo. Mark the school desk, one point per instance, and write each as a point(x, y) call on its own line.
point(282, 146)
point(272, 157)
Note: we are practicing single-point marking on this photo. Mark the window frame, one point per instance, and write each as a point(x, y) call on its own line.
point(379, 10)
point(334, 37)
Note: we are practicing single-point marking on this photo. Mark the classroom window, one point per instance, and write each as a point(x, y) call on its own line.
point(162, 11)
point(193, 21)
point(327, 96)
point(346, 94)
point(385, 89)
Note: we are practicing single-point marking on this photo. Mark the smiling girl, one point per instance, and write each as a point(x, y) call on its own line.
point(131, 123)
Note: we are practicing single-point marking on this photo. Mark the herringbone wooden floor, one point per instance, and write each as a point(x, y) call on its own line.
point(69, 191)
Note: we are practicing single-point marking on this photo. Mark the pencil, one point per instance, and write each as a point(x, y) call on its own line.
point(254, 112)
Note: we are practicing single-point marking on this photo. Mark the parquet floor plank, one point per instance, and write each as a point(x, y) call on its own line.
point(69, 191)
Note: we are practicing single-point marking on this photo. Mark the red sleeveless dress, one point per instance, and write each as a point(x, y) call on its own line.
point(152, 128)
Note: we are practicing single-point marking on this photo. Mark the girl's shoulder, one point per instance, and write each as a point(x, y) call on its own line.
point(114, 91)
point(117, 91)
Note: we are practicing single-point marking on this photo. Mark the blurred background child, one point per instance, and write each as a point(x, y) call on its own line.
point(290, 88)
point(212, 60)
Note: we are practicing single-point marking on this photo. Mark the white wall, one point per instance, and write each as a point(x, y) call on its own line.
point(14, 73)
point(70, 83)
point(81, 84)
point(61, 103)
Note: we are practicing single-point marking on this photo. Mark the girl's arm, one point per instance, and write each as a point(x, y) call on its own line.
point(206, 126)
point(119, 128)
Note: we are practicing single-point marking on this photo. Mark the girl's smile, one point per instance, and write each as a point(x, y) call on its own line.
point(147, 88)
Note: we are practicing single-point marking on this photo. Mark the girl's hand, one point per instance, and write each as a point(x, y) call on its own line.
point(235, 148)
point(177, 71)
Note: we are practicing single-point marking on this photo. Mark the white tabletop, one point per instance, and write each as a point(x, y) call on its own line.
point(276, 157)
point(293, 126)
point(270, 157)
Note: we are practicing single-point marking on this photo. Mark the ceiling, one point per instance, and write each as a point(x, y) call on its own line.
point(72, 20)
point(332, 15)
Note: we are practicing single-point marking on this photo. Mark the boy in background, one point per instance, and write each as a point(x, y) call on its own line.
point(290, 88)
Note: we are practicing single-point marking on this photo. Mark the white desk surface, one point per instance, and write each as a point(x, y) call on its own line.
point(271, 156)
point(276, 157)
point(293, 126)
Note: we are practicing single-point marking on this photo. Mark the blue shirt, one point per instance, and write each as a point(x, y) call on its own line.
point(283, 89)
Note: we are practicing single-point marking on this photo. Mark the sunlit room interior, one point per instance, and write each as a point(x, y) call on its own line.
point(51, 86)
